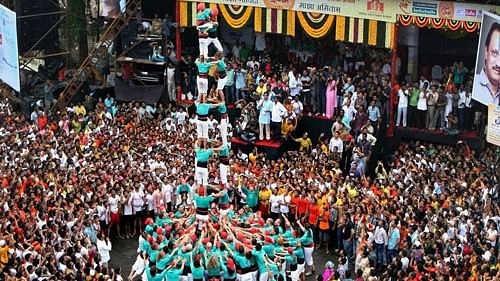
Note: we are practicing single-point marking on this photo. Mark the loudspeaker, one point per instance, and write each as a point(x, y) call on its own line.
point(31, 29)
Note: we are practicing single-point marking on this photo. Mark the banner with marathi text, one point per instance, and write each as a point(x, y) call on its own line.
point(382, 10)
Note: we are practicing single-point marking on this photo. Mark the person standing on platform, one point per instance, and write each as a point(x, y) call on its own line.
point(202, 19)
point(432, 97)
point(402, 106)
point(412, 105)
point(265, 107)
point(277, 114)
point(331, 96)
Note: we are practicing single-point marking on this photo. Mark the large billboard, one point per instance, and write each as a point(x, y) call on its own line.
point(9, 54)
point(486, 89)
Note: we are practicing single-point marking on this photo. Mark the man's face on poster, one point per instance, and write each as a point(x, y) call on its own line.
point(492, 58)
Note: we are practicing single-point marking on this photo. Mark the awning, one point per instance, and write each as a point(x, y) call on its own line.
point(315, 25)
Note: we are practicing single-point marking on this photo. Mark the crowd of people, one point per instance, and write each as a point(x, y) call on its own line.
point(74, 181)
point(71, 184)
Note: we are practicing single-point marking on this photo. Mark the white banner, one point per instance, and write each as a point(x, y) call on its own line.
point(9, 53)
point(486, 87)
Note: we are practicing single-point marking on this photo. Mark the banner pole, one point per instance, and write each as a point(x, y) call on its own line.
point(393, 95)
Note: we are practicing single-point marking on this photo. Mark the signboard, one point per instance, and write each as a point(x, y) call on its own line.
point(493, 128)
point(9, 53)
point(445, 9)
point(382, 10)
point(486, 86)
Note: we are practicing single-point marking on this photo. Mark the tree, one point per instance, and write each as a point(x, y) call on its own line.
point(75, 30)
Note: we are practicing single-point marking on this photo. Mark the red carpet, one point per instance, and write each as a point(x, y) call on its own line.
point(238, 141)
point(268, 144)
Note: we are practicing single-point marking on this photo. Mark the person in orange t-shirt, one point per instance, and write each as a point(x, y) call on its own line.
point(302, 205)
point(312, 216)
point(324, 226)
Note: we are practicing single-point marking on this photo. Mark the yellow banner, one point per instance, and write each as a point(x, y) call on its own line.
point(493, 129)
point(382, 10)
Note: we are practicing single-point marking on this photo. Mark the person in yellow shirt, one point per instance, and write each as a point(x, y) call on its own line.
point(288, 127)
point(261, 88)
point(264, 196)
point(305, 143)
point(4, 253)
point(80, 109)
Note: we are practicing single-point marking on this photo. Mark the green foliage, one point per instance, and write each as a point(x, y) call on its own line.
point(75, 21)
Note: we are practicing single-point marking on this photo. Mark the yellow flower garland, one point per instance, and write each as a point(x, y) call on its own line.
point(313, 32)
point(236, 22)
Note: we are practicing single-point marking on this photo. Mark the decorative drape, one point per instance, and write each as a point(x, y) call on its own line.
point(236, 16)
point(439, 23)
point(314, 24)
point(370, 32)
point(274, 21)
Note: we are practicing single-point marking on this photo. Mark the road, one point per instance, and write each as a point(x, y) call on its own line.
point(124, 253)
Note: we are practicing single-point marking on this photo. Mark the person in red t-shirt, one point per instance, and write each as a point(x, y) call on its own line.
point(302, 205)
point(313, 216)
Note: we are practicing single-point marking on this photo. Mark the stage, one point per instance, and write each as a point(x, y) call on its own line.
point(316, 125)
point(437, 136)
point(272, 149)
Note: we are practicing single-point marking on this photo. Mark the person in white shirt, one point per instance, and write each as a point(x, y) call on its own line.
point(285, 200)
point(297, 106)
point(103, 248)
point(274, 201)
point(114, 213)
point(171, 82)
point(464, 103)
point(277, 114)
point(137, 200)
point(336, 143)
point(181, 116)
point(293, 83)
point(422, 109)
point(380, 240)
point(402, 106)
point(169, 125)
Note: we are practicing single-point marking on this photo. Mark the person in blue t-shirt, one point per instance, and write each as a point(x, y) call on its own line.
point(202, 24)
point(203, 66)
point(202, 109)
point(202, 155)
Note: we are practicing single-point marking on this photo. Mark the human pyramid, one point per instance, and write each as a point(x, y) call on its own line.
point(211, 239)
